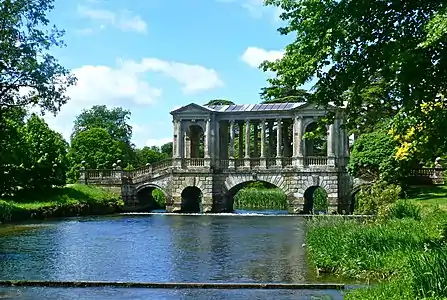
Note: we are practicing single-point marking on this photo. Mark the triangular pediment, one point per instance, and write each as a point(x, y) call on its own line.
point(191, 108)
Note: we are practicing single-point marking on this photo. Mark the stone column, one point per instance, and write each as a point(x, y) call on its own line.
point(207, 145)
point(330, 146)
point(241, 140)
point(179, 142)
point(231, 161)
point(298, 146)
point(255, 139)
point(247, 143)
point(270, 141)
point(263, 162)
point(278, 142)
point(286, 152)
point(174, 139)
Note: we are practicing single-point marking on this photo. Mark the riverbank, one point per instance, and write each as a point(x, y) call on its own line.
point(405, 251)
point(71, 200)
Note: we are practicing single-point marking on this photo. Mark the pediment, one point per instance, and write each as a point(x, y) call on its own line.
point(191, 108)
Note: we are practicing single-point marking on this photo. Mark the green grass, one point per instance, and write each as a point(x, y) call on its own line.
point(405, 252)
point(260, 198)
point(27, 203)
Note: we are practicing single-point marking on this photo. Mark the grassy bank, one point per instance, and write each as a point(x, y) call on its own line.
point(68, 201)
point(260, 198)
point(405, 251)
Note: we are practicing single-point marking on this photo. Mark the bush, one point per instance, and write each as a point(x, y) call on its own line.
point(320, 199)
point(403, 209)
point(159, 198)
point(375, 199)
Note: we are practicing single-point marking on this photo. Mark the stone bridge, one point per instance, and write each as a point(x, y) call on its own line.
point(206, 189)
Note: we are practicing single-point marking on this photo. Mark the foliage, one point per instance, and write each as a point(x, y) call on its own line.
point(420, 134)
point(45, 162)
point(403, 209)
point(96, 148)
point(167, 149)
point(150, 155)
point(347, 46)
point(29, 74)
point(159, 198)
point(114, 120)
point(372, 157)
point(277, 95)
point(375, 198)
point(219, 102)
point(255, 198)
point(320, 199)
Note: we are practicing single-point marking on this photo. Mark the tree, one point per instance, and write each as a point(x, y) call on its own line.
point(345, 45)
point(373, 158)
point(45, 161)
point(167, 149)
point(29, 75)
point(219, 102)
point(114, 120)
point(284, 95)
point(96, 148)
point(150, 155)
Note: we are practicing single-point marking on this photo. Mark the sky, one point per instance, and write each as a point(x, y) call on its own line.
point(153, 56)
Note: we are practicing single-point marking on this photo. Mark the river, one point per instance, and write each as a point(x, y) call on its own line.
point(160, 248)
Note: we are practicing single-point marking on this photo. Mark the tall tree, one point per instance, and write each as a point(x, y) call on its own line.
point(344, 44)
point(29, 74)
point(219, 102)
point(114, 120)
point(283, 95)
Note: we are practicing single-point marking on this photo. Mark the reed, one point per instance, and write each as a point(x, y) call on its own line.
point(258, 198)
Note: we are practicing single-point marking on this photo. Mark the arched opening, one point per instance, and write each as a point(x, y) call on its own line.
point(353, 200)
point(151, 198)
point(315, 200)
point(195, 141)
point(316, 145)
point(256, 196)
point(191, 200)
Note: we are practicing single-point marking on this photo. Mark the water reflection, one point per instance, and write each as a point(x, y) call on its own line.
point(207, 248)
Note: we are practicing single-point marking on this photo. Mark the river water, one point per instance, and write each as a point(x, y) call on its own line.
point(160, 248)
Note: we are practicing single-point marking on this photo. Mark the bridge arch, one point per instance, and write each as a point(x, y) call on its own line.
point(147, 200)
point(191, 200)
point(235, 183)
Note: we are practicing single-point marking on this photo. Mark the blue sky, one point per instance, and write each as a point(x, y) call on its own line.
point(151, 56)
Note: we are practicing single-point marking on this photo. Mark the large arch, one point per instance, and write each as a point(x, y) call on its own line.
point(191, 200)
point(310, 202)
point(147, 199)
point(230, 195)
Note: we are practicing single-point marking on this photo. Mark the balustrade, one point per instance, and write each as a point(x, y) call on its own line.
point(315, 160)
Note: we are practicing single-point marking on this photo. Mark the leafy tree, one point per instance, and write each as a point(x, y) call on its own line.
point(284, 95)
point(167, 149)
point(29, 74)
point(150, 155)
point(96, 148)
point(373, 157)
point(346, 45)
point(114, 120)
point(45, 162)
point(12, 150)
point(376, 198)
point(219, 102)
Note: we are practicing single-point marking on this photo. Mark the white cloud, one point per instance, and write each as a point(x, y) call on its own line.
point(254, 56)
point(158, 142)
point(123, 20)
point(257, 9)
point(193, 78)
point(125, 85)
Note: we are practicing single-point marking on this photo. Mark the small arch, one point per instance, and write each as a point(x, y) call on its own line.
point(353, 197)
point(316, 146)
point(151, 197)
point(279, 202)
point(315, 200)
point(191, 200)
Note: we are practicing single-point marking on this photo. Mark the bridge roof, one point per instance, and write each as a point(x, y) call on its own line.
point(254, 107)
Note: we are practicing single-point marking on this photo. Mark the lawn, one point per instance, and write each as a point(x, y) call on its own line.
point(429, 196)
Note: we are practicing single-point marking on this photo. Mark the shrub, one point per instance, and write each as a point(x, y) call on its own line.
point(375, 198)
point(159, 198)
point(403, 209)
point(320, 199)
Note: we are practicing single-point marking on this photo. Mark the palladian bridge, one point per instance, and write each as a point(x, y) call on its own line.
point(217, 150)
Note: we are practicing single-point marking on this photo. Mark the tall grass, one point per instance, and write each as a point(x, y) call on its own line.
point(256, 198)
point(406, 249)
